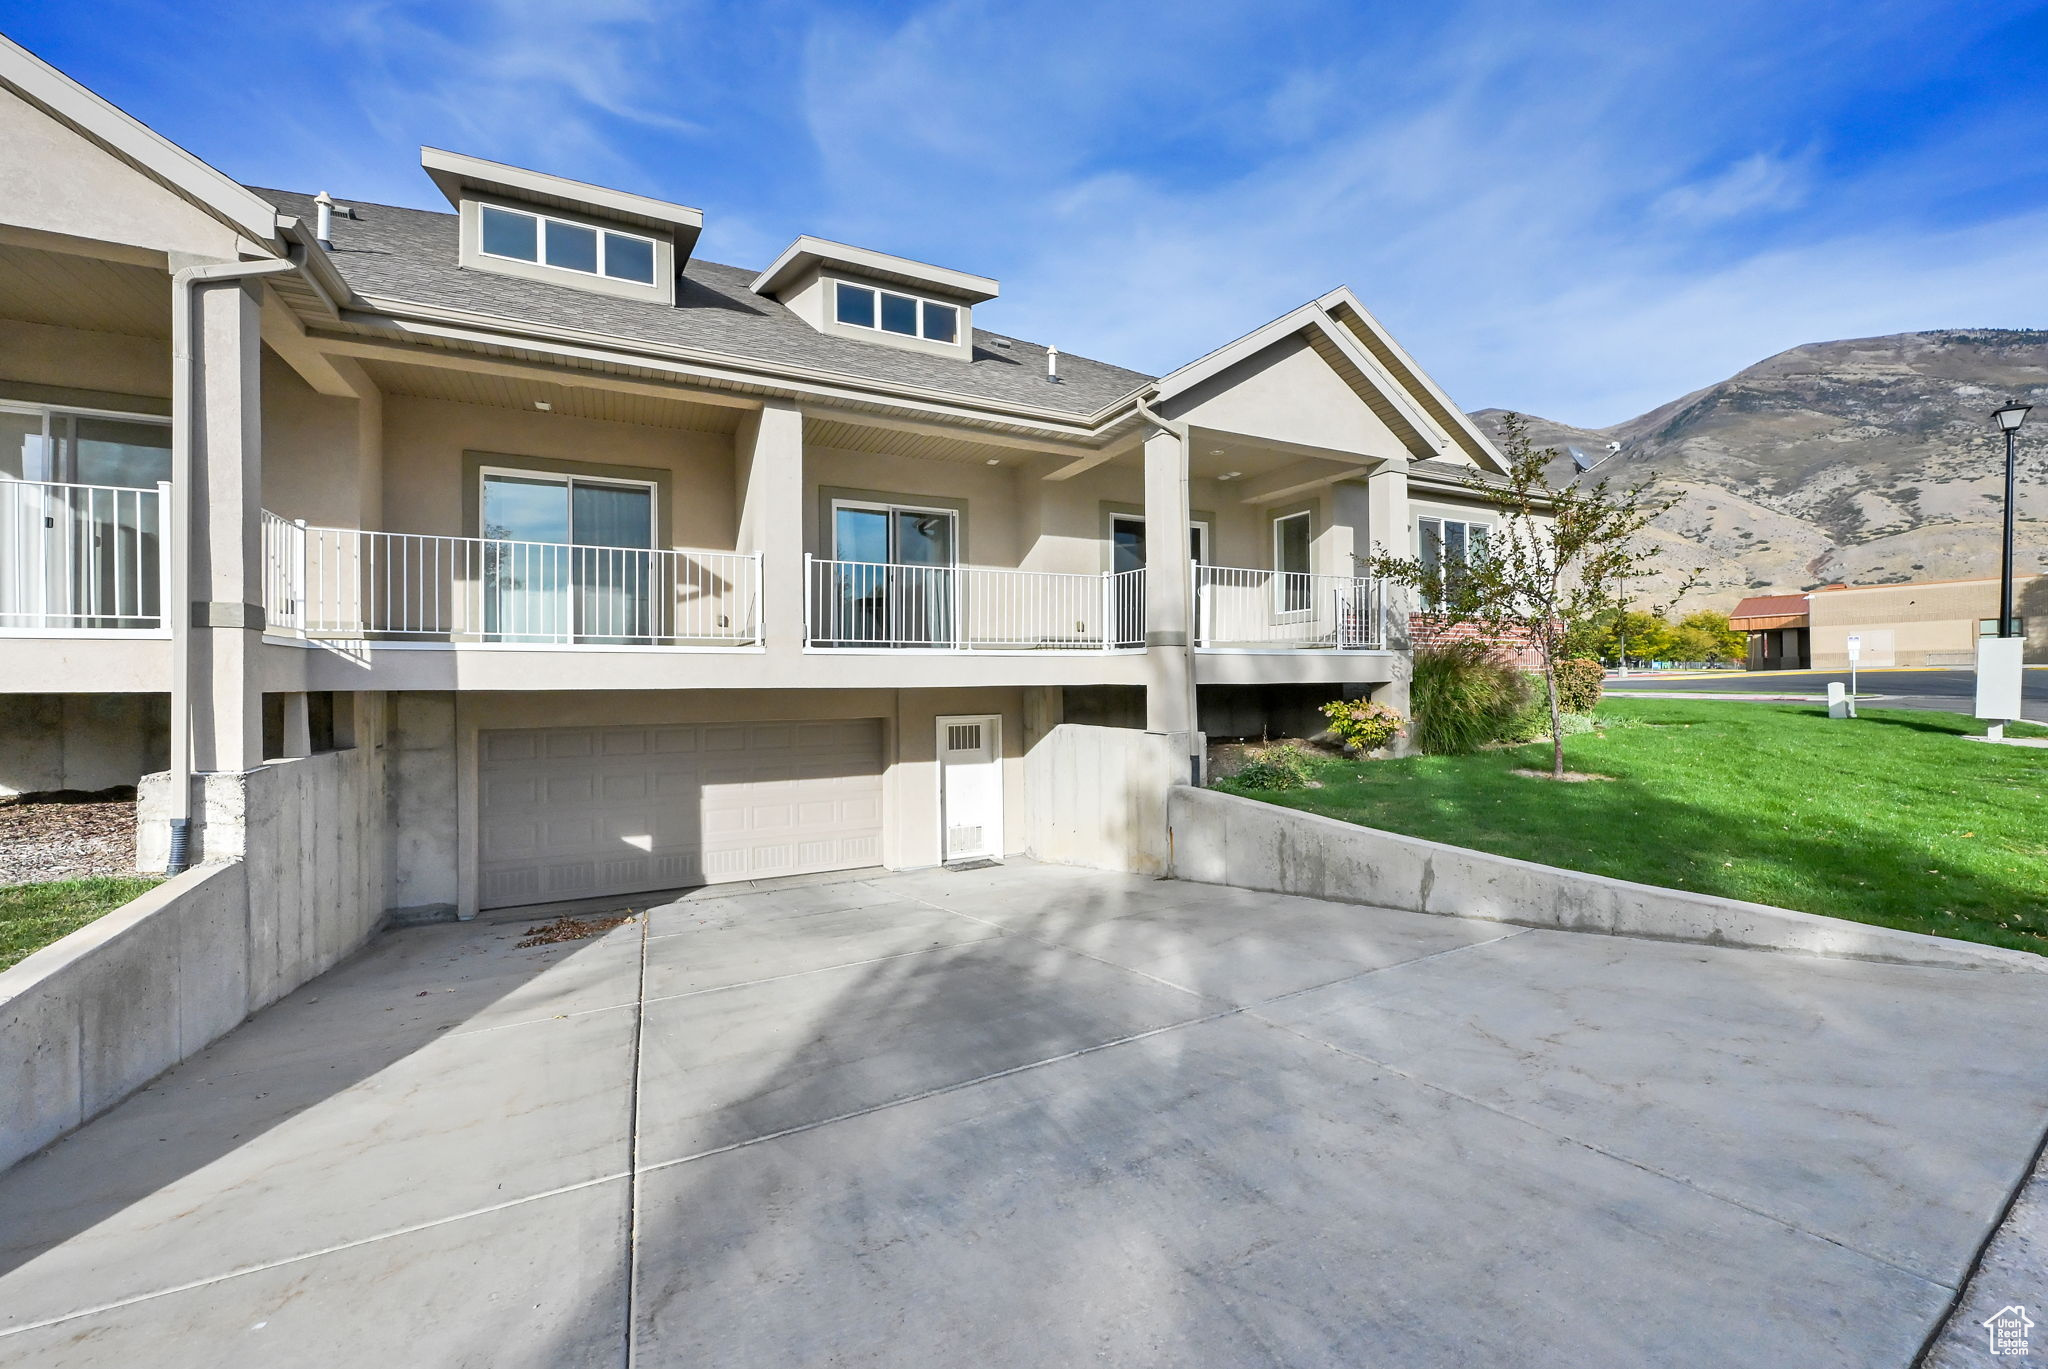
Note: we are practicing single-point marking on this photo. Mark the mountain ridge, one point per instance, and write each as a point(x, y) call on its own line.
point(1864, 460)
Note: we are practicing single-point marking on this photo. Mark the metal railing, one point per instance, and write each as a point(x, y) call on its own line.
point(342, 582)
point(868, 604)
point(80, 558)
point(1285, 610)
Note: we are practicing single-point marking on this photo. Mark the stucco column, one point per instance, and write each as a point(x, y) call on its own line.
point(226, 501)
point(1387, 530)
point(1169, 683)
point(298, 726)
point(768, 451)
point(1347, 542)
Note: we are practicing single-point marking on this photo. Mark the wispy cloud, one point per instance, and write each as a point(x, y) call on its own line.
point(1578, 211)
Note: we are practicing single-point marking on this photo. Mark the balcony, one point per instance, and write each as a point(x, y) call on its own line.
point(873, 606)
point(348, 584)
point(80, 560)
point(1271, 610)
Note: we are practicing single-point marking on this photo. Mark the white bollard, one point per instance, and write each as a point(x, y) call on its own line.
point(1838, 699)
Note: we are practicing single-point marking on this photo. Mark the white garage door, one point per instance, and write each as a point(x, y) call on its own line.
point(574, 812)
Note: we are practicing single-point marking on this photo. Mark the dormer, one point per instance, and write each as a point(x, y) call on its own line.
point(853, 292)
point(524, 223)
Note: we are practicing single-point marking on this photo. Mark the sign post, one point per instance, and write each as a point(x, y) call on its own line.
point(1855, 652)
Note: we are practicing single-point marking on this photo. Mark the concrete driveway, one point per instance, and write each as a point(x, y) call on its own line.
point(1039, 1116)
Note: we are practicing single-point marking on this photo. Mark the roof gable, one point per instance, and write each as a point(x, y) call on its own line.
point(104, 154)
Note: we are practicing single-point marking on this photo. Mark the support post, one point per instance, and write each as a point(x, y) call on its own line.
point(769, 447)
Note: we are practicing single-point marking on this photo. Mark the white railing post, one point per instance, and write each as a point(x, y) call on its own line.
point(810, 593)
point(164, 553)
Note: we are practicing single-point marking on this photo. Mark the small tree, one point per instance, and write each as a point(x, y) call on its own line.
point(1706, 636)
point(1556, 562)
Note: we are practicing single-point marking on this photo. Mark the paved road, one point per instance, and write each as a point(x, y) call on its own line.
point(1034, 1116)
point(1953, 690)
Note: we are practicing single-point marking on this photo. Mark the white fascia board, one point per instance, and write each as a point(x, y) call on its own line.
point(137, 144)
point(1343, 296)
point(807, 252)
point(454, 172)
point(1310, 315)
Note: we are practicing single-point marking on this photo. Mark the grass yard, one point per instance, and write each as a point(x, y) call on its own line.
point(1887, 819)
point(34, 915)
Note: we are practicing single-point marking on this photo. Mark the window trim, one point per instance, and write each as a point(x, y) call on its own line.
point(540, 245)
point(568, 480)
point(958, 517)
point(879, 292)
point(49, 412)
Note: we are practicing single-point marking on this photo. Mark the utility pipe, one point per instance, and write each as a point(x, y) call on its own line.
point(1183, 514)
point(185, 286)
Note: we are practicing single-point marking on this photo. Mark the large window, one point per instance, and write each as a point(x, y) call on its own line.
point(1292, 592)
point(866, 307)
point(81, 447)
point(567, 558)
point(1445, 545)
point(516, 235)
point(1988, 627)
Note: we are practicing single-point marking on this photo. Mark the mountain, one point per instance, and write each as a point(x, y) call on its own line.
point(1870, 461)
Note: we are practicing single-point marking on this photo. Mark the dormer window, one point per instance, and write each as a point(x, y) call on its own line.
point(906, 315)
point(518, 235)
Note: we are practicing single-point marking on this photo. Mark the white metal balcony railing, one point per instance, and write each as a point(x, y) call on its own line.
point(80, 558)
point(866, 604)
point(1285, 610)
point(346, 583)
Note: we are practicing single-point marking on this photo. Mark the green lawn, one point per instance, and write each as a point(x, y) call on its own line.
point(1886, 819)
point(34, 915)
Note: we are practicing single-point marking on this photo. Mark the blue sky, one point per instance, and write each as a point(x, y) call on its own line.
point(1578, 210)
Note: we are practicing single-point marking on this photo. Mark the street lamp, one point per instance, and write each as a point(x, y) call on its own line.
point(2009, 417)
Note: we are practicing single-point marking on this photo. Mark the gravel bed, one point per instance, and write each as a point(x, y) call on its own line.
point(42, 841)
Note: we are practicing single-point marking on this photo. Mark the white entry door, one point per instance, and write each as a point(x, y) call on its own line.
point(971, 786)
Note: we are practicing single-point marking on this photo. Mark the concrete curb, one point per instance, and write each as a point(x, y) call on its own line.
point(1221, 838)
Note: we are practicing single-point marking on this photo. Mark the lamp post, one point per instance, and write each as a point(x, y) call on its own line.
point(2000, 672)
point(2009, 417)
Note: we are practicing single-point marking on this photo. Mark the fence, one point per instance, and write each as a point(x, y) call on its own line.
point(856, 604)
point(80, 558)
point(1285, 610)
point(342, 582)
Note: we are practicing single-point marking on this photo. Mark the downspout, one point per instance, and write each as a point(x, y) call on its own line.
point(185, 283)
point(1183, 505)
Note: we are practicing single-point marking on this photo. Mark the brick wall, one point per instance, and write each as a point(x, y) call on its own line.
point(1427, 629)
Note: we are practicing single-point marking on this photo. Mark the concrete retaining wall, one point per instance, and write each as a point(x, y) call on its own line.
point(1224, 839)
point(89, 1019)
point(294, 883)
point(1097, 796)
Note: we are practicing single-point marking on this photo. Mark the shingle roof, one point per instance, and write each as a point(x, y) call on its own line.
point(411, 255)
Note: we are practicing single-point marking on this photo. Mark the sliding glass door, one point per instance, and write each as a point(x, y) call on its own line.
point(893, 572)
point(567, 559)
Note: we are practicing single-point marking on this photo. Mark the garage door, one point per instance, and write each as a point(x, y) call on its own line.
point(574, 812)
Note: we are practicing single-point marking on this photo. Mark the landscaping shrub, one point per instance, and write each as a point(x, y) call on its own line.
point(1574, 724)
point(1464, 695)
point(1531, 722)
point(1284, 766)
point(1361, 724)
point(1579, 682)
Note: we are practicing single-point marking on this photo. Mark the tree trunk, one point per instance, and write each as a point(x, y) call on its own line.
point(1556, 718)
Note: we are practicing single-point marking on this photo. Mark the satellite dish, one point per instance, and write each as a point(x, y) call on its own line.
point(1585, 462)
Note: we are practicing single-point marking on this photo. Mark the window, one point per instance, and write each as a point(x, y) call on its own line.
point(82, 447)
point(905, 315)
point(517, 235)
point(1444, 544)
point(1988, 627)
point(1291, 592)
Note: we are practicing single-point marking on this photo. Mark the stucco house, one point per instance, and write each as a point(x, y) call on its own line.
point(607, 568)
